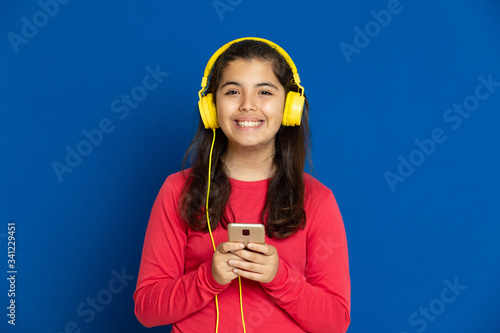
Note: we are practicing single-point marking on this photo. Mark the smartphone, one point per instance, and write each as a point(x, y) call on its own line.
point(246, 233)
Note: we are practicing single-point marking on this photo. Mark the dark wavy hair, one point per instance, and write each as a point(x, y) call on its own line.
point(283, 214)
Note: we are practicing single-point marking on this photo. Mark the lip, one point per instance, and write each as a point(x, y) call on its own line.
point(248, 119)
point(235, 123)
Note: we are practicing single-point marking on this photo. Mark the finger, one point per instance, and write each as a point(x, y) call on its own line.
point(229, 247)
point(257, 252)
point(246, 265)
point(223, 258)
point(251, 256)
point(253, 271)
point(249, 275)
point(265, 249)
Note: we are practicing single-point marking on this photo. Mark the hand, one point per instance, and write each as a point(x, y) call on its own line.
point(221, 271)
point(260, 264)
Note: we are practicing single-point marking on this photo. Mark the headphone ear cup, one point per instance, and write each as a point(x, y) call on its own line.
point(294, 106)
point(208, 112)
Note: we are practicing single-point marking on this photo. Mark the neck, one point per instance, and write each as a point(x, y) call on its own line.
point(249, 164)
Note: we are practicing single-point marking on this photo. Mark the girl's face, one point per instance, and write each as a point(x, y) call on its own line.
point(250, 102)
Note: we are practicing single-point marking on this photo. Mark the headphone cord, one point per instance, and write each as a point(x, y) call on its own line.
point(208, 222)
point(213, 242)
point(241, 305)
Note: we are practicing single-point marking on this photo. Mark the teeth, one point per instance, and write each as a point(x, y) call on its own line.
point(248, 123)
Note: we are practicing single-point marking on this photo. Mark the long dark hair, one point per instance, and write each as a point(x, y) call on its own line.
point(283, 213)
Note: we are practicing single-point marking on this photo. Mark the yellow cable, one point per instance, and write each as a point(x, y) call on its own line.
point(208, 222)
point(208, 190)
point(215, 248)
point(241, 305)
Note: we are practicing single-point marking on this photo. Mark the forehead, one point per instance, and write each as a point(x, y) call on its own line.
point(249, 69)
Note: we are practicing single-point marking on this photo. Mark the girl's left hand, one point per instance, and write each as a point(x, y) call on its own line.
point(260, 264)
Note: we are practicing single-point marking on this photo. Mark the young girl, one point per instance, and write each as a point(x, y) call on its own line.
point(253, 137)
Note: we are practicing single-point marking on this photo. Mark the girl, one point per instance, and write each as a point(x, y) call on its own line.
point(253, 139)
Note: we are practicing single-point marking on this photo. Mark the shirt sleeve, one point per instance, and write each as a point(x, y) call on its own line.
point(164, 293)
point(320, 300)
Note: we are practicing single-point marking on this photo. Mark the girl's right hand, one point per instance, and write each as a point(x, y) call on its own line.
point(221, 271)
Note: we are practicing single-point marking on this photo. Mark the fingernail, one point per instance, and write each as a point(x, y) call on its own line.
point(250, 246)
point(230, 262)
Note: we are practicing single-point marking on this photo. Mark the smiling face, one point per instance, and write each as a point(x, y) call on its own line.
point(250, 102)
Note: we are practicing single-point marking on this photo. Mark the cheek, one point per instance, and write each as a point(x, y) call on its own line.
point(277, 112)
point(221, 111)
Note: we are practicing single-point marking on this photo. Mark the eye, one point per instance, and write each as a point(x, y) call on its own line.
point(265, 92)
point(231, 92)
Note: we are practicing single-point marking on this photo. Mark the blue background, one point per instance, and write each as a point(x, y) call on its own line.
point(367, 110)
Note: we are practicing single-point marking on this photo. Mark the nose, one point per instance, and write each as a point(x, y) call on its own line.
point(247, 103)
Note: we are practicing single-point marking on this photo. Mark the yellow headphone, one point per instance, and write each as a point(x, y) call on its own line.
point(294, 103)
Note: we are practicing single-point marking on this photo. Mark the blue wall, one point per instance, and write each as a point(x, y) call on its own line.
point(405, 101)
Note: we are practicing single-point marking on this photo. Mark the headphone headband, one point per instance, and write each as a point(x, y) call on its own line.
point(223, 48)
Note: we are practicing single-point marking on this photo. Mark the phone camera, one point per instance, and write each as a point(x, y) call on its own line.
point(246, 232)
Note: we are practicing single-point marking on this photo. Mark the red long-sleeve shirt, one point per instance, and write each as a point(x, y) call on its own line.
point(310, 292)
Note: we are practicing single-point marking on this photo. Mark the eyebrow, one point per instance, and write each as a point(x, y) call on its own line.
point(262, 84)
